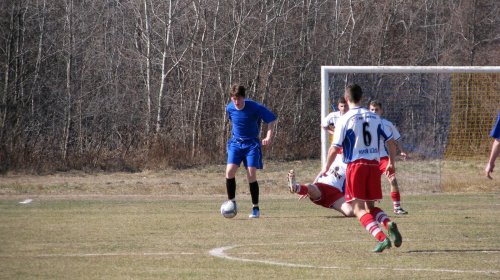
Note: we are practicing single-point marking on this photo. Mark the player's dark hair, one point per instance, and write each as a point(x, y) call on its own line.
point(342, 100)
point(353, 92)
point(237, 90)
point(376, 103)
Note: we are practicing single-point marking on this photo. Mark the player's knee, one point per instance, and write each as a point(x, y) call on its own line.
point(348, 212)
point(313, 192)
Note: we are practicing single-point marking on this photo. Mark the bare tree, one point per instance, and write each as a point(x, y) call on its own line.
point(96, 84)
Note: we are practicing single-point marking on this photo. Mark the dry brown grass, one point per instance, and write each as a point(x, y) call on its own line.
point(414, 177)
point(163, 225)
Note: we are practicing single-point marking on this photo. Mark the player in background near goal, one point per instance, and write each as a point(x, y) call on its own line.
point(244, 145)
point(358, 133)
point(331, 119)
point(376, 107)
point(326, 191)
point(495, 148)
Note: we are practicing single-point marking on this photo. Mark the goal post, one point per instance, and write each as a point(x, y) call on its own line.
point(442, 112)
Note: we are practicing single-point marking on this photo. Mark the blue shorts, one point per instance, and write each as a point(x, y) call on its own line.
point(247, 151)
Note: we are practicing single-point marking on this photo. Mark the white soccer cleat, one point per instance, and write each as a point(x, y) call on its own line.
point(400, 211)
point(292, 184)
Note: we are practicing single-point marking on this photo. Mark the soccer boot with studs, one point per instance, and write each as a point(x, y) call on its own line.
point(255, 213)
point(292, 184)
point(394, 233)
point(400, 211)
point(381, 246)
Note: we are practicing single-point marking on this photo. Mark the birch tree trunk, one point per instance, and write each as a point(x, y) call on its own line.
point(35, 85)
point(165, 69)
point(147, 24)
point(198, 130)
point(8, 68)
point(69, 66)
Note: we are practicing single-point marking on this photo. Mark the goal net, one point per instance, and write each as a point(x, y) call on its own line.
point(444, 114)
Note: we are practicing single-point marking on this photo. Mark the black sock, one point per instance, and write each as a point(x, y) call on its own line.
point(231, 188)
point(254, 192)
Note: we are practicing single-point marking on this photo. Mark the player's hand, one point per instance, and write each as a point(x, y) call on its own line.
point(489, 169)
point(324, 172)
point(266, 141)
point(404, 155)
point(302, 197)
point(390, 172)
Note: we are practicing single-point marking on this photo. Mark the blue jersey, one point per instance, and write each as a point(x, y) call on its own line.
point(246, 121)
point(495, 133)
point(358, 132)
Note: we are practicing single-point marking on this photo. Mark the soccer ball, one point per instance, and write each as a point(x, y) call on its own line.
point(228, 209)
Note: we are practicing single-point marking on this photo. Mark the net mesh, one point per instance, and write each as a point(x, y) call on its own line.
point(444, 117)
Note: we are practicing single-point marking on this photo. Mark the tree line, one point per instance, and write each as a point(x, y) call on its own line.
point(133, 84)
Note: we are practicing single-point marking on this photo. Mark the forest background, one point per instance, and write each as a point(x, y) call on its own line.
point(125, 85)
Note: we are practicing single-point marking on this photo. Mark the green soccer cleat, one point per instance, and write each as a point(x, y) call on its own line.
point(394, 233)
point(386, 244)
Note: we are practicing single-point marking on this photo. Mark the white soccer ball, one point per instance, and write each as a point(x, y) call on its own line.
point(228, 209)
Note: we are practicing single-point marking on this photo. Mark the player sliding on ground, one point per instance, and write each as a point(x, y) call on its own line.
point(326, 191)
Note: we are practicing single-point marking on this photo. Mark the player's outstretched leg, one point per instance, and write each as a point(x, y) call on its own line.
point(292, 183)
point(394, 233)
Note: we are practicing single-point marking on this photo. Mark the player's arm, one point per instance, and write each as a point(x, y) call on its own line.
point(495, 151)
point(391, 168)
point(332, 154)
point(317, 177)
point(270, 129)
point(327, 123)
point(399, 143)
point(328, 129)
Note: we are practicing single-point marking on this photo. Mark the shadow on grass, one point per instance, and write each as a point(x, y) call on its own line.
point(454, 251)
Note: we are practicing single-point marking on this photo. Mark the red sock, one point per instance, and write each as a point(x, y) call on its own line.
point(302, 189)
point(380, 216)
point(396, 199)
point(369, 223)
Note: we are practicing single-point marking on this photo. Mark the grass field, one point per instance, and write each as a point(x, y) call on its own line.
point(167, 225)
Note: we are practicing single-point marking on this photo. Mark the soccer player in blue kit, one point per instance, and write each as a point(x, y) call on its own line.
point(495, 148)
point(244, 146)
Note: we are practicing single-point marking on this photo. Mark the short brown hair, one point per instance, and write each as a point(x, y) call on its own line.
point(353, 92)
point(237, 90)
point(376, 103)
point(342, 100)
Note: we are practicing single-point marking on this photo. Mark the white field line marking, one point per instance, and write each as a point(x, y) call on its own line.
point(114, 254)
point(26, 201)
point(220, 253)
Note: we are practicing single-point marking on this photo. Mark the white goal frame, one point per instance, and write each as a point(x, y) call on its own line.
point(325, 90)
